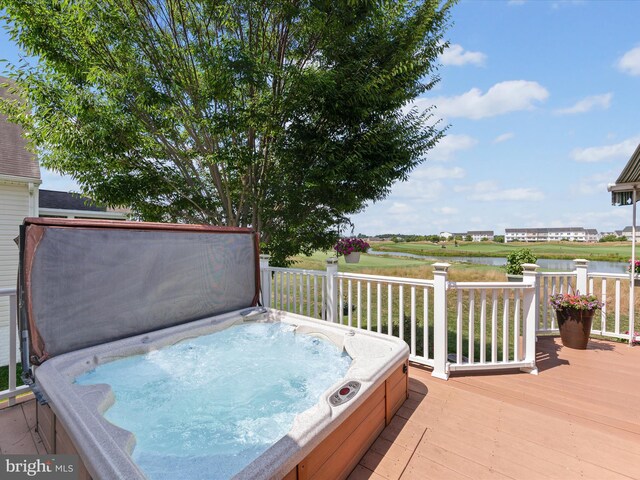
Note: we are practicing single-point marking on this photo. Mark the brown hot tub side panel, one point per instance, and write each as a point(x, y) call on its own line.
point(333, 459)
point(55, 438)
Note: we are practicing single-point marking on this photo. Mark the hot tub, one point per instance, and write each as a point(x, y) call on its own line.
point(70, 335)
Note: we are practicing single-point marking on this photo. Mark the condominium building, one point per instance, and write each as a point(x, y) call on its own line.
point(572, 234)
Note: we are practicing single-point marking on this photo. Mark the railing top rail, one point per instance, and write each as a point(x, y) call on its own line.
point(623, 276)
point(557, 274)
point(319, 273)
point(490, 285)
point(7, 291)
point(383, 279)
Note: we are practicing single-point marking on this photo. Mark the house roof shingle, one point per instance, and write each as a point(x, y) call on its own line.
point(15, 159)
point(67, 201)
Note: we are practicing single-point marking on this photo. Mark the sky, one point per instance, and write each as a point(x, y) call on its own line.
point(541, 101)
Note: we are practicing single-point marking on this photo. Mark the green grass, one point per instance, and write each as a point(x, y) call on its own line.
point(613, 251)
point(4, 377)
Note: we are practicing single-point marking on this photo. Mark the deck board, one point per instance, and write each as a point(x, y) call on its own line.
point(579, 418)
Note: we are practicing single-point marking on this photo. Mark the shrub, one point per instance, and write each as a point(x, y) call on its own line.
point(516, 258)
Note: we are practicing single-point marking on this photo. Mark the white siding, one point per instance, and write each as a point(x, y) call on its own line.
point(14, 206)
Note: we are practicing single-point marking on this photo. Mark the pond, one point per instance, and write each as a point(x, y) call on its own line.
point(545, 264)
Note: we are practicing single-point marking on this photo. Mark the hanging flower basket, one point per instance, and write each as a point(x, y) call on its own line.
point(351, 248)
point(353, 257)
point(636, 273)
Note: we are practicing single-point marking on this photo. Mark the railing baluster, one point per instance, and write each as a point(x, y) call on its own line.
point(425, 324)
point(288, 290)
point(389, 310)
point(359, 290)
point(459, 329)
point(379, 312)
point(603, 313)
point(309, 295)
point(472, 335)
point(516, 327)
point(617, 316)
point(545, 302)
point(349, 303)
point(323, 305)
point(505, 325)
point(494, 327)
point(401, 313)
point(553, 315)
point(483, 326)
point(369, 306)
point(281, 306)
point(413, 320)
point(315, 296)
point(340, 306)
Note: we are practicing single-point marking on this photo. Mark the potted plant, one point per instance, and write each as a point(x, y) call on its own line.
point(636, 272)
point(351, 248)
point(575, 315)
point(514, 263)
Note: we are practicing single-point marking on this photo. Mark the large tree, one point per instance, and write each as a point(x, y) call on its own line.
point(283, 115)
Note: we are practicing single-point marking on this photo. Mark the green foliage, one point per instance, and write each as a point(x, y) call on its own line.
point(468, 238)
point(612, 238)
point(516, 258)
point(498, 238)
point(284, 116)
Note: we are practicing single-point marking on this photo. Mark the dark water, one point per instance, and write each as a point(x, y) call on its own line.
point(545, 264)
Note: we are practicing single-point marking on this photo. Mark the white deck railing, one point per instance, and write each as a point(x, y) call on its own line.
point(13, 391)
point(449, 326)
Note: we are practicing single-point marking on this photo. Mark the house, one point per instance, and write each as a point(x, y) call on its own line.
point(627, 232)
point(478, 235)
point(72, 205)
point(20, 197)
point(19, 182)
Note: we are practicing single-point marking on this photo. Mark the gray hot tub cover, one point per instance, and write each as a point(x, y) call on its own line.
point(88, 282)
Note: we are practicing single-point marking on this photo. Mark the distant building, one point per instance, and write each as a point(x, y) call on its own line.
point(629, 234)
point(72, 205)
point(572, 234)
point(478, 235)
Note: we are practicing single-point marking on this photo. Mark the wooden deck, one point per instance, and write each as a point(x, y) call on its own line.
point(580, 418)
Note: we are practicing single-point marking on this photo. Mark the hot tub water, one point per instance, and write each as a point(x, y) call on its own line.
point(208, 406)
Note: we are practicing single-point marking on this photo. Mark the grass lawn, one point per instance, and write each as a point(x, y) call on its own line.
point(4, 377)
point(609, 251)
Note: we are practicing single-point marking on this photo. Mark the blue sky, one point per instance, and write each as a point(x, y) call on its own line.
point(542, 99)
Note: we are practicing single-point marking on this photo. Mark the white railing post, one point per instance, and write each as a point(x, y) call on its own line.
point(440, 324)
point(530, 317)
point(13, 335)
point(332, 289)
point(581, 273)
point(265, 280)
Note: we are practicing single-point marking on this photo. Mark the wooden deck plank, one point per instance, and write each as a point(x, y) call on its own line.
point(576, 419)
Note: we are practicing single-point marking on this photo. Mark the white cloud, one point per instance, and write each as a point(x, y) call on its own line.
point(503, 138)
point(606, 153)
point(446, 148)
point(456, 56)
point(594, 184)
point(501, 98)
point(489, 191)
point(630, 62)
point(587, 104)
point(445, 210)
point(436, 172)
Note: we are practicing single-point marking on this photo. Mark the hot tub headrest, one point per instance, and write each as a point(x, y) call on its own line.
point(88, 282)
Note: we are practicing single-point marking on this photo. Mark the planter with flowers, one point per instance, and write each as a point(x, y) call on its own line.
point(636, 273)
point(575, 316)
point(351, 248)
